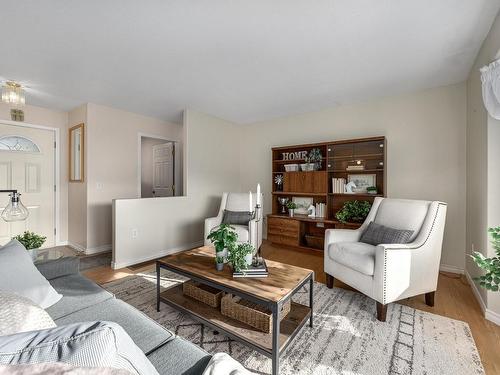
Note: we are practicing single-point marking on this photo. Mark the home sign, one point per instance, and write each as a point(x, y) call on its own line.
point(297, 155)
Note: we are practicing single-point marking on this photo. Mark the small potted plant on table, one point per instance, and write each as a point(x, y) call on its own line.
point(31, 241)
point(241, 257)
point(224, 239)
point(291, 207)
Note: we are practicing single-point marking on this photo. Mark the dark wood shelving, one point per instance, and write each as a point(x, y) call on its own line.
point(300, 231)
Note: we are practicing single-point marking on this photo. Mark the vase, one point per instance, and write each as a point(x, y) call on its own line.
point(249, 259)
point(219, 266)
point(290, 212)
point(222, 254)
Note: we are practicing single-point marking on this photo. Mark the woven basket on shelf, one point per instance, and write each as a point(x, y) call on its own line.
point(250, 313)
point(202, 293)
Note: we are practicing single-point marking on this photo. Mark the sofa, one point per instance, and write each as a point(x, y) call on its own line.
point(83, 300)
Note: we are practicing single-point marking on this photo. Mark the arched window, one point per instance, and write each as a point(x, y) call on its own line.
point(18, 143)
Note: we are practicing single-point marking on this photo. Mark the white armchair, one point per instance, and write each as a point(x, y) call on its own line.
point(237, 202)
point(390, 272)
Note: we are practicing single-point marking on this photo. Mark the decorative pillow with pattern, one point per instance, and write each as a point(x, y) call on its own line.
point(377, 234)
point(20, 314)
point(236, 217)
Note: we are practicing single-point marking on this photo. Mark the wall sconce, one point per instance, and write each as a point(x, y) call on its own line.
point(15, 209)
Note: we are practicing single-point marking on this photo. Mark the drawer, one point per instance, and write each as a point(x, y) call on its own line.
point(283, 231)
point(277, 222)
point(283, 240)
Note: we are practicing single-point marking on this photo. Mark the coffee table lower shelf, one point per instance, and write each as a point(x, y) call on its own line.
point(259, 341)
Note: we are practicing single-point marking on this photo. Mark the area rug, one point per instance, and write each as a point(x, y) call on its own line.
point(346, 338)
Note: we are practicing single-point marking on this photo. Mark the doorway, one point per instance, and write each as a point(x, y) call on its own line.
point(157, 167)
point(28, 164)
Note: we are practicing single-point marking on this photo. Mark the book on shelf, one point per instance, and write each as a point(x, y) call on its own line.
point(338, 185)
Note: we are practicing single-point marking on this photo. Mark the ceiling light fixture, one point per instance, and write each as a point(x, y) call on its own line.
point(13, 94)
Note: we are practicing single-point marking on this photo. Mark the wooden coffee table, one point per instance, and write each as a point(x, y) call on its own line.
point(272, 292)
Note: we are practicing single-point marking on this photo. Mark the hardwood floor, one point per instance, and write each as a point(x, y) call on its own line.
point(454, 297)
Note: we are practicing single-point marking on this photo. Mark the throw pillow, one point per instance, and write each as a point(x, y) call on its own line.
point(20, 314)
point(87, 344)
point(236, 217)
point(19, 275)
point(224, 364)
point(377, 234)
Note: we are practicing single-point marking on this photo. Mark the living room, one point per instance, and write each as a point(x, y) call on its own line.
point(349, 147)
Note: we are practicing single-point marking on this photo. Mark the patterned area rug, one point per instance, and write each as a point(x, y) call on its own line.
point(346, 338)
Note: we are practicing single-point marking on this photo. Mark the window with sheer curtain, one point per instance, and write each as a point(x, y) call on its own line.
point(490, 79)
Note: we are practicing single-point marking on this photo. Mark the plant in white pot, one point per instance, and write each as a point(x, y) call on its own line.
point(31, 241)
point(241, 257)
point(224, 239)
point(291, 207)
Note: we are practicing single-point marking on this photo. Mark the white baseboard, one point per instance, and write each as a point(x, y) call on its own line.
point(90, 250)
point(492, 316)
point(123, 264)
point(451, 269)
point(62, 243)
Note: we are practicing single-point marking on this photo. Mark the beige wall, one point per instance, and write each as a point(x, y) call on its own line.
point(55, 119)
point(483, 174)
point(77, 191)
point(425, 149)
point(165, 225)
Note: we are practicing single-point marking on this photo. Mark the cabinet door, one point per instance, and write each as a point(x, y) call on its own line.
point(305, 182)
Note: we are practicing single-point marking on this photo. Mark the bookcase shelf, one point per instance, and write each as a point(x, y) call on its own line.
point(300, 230)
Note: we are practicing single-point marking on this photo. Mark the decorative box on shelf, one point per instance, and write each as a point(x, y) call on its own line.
point(251, 313)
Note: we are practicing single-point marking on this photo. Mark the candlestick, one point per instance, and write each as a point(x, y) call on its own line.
point(258, 194)
point(250, 201)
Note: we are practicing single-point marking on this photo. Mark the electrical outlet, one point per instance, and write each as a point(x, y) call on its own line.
point(134, 233)
point(99, 186)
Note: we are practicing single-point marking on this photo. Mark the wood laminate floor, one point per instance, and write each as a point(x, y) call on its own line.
point(454, 297)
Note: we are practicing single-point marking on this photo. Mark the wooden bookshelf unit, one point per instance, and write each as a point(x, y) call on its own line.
point(338, 157)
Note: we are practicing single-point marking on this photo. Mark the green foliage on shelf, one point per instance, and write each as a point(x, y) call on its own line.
point(30, 240)
point(237, 256)
point(353, 211)
point(491, 279)
point(291, 205)
point(224, 237)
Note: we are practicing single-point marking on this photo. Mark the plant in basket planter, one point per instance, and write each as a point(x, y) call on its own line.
point(291, 207)
point(224, 239)
point(355, 211)
point(241, 257)
point(491, 279)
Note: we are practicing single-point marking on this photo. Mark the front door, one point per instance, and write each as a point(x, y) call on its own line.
point(27, 163)
point(163, 170)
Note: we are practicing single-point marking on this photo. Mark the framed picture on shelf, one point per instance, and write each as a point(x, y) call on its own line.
point(302, 204)
point(362, 181)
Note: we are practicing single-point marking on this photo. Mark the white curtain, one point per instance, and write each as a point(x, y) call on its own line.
point(490, 78)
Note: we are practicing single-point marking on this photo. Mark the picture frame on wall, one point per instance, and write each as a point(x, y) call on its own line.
point(303, 204)
point(362, 181)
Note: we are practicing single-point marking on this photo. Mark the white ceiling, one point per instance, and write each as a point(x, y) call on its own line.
point(242, 60)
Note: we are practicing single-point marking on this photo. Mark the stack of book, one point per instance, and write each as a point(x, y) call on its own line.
point(338, 185)
point(254, 271)
point(320, 210)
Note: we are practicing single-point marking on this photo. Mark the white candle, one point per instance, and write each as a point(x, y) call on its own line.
point(258, 194)
point(250, 200)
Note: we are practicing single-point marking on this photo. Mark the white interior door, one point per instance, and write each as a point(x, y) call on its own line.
point(27, 163)
point(163, 170)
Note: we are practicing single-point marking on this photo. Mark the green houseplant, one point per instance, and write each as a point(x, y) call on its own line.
point(491, 279)
point(315, 157)
point(371, 190)
point(224, 239)
point(240, 257)
point(291, 206)
point(219, 263)
point(30, 240)
point(356, 211)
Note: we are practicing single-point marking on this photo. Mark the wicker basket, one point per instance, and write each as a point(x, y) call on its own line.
point(202, 293)
point(250, 313)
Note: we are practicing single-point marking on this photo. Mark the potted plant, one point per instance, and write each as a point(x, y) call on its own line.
point(224, 239)
point(316, 158)
point(31, 241)
point(241, 257)
point(356, 211)
point(491, 279)
point(371, 190)
point(291, 206)
point(219, 263)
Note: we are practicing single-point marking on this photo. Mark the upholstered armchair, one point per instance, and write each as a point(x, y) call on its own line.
point(390, 272)
point(238, 202)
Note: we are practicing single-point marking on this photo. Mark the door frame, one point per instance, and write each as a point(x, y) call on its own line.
point(57, 171)
point(140, 135)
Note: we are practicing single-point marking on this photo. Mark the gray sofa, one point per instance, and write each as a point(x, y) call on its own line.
point(83, 300)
